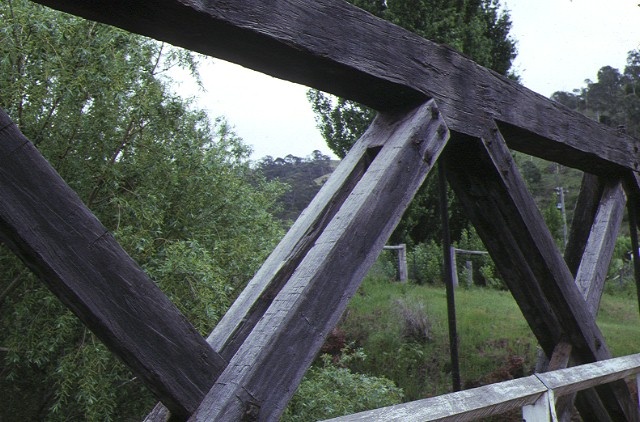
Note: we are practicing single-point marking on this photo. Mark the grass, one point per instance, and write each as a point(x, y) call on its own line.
point(495, 342)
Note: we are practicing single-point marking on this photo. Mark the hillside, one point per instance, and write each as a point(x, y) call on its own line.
point(304, 176)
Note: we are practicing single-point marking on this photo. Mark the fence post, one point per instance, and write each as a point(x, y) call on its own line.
point(541, 410)
point(403, 273)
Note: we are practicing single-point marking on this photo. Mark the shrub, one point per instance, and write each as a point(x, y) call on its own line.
point(331, 390)
point(425, 263)
point(416, 325)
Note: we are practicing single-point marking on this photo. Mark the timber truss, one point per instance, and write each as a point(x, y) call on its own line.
point(434, 105)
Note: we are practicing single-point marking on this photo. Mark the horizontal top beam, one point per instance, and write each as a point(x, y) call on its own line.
point(335, 47)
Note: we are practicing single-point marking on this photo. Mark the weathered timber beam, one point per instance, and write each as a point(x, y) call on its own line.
point(485, 178)
point(462, 406)
point(599, 250)
point(592, 271)
point(46, 224)
point(336, 47)
point(584, 214)
point(495, 399)
point(264, 372)
point(252, 303)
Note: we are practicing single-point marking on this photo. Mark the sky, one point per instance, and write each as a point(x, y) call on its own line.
point(561, 43)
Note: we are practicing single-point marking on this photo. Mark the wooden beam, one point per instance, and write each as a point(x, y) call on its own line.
point(596, 254)
point(263, 374)
point(495, 399)
point(336, 47)
point(599, 250)
point(584, 215)
point(251, 305)
point(46, 224)
point(468, 405)
point(494, 195)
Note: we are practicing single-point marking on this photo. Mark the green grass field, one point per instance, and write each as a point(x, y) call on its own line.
point(495, 342)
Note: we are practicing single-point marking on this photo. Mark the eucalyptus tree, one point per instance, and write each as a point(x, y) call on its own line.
point(174, 187)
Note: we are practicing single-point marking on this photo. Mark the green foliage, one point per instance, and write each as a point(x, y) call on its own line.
point(175, 188)
point(614, 99)
point(304, 176)
point(425, 263)
point(484, 270)
point(476, 28)
point(422, 369)
point(332, 389)
point(494, 338)
point(620, 277)
point(553, 217)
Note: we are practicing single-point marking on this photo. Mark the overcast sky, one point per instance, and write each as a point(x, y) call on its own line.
point(560, 44)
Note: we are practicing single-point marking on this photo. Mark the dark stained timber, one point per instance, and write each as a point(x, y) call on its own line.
point(277, 325)
point(484, 176)
point(336, 47)
point(263, 374)
point(46, 224)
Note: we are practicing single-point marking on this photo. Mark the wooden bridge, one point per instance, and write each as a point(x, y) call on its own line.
point(434, 106)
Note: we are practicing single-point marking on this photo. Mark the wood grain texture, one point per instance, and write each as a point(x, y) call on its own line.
point(468, 405)
point(255, 299)
point(495, 399)
point(594, 229)
point(584, 214)
point(338, 48)
point(265, 371)
point(46, 224)
point(599, 250)
point(485, 178)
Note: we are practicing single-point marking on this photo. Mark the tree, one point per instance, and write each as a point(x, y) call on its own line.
point(304, 176)
point(476, 28)
point(175, 188)
point(614, 99)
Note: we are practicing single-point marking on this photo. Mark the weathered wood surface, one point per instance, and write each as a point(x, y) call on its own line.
point(593, 236)
point(599, 249)
point(250, 306)
point(495, 399)
point(255, 299)
point(263, 374)
point(484, 176)
point(467, 405)
point(46, 224)
point(584, 215)
point(577, 378)
point(336, 47)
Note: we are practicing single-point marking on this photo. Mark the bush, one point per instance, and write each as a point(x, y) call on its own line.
point(332, 390)
point(425, 263)
point(416, 325)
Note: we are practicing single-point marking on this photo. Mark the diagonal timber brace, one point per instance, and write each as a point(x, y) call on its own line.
point(484, 176)
point(263, 374)
point(593, 234)
point(46, 224)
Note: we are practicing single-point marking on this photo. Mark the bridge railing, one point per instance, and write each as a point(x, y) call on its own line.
point(535, 394)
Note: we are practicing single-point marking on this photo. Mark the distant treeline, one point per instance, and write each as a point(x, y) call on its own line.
point(304, 176)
